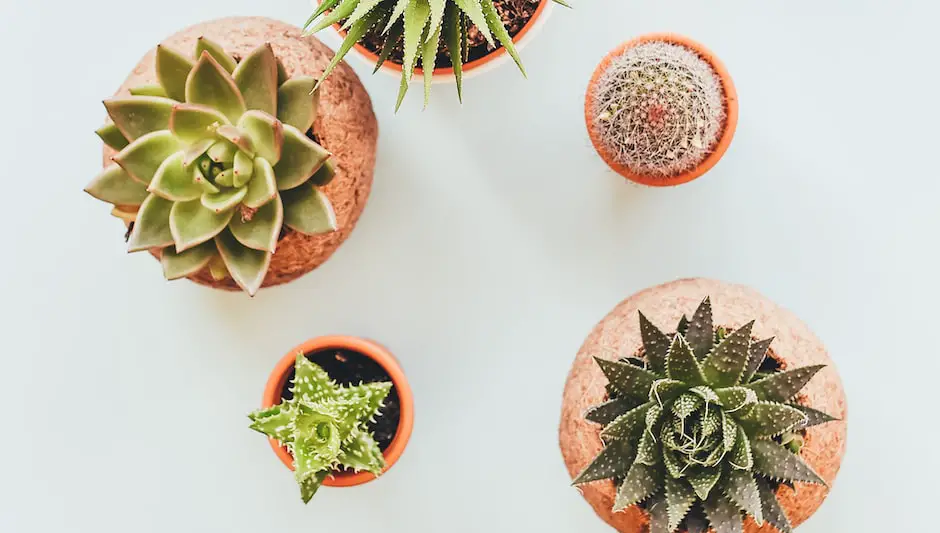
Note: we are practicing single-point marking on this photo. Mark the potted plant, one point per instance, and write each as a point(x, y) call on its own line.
point(661, 110)
point(731, 420)
point(227, 165)
point(408, 37)
point(337, 411)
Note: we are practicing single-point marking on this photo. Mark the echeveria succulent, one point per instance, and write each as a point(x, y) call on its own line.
point(420, 27)
point(700, 428)
point(325, 426)
point(214, 160)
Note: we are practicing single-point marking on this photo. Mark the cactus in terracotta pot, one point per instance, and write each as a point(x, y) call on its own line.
point(214, 160)
point(324, 426)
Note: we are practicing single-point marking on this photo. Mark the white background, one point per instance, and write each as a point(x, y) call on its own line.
point(493, 241)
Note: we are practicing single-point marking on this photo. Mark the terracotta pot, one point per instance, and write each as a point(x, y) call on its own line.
point(473, 68)
point(345, 125)
point(376, 352)
point(618, 335)
point(731, 120)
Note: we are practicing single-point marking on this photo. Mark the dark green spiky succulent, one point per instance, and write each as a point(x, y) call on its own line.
point(324, 426)
point(214, 160)
point(420, 28)
point(701, 428)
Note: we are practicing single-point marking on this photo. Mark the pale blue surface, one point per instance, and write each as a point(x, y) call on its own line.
point(482, 262)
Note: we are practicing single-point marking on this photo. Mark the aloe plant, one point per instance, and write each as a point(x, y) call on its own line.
point(324, 426)
point(420, 27)
point(214, 160)
point(700, 431)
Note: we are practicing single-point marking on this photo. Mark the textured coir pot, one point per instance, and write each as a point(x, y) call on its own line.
point(716, 150)
point(345, 126)
point(277, 382)
point(618, 335)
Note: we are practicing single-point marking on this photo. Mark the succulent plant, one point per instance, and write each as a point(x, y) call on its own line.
point(214, 160)
point(324, 426)
point(421, 27)
point(659, 109)
point(701, 428)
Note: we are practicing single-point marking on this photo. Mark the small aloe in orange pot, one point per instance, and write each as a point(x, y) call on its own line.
point(338, 412)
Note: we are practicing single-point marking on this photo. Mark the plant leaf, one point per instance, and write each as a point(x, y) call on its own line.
point(300, 158)
point(262, 188)
point(641, 482)
point(136, 116)
point(782, 386)
point(172, 70)
point(665, 390)
point(192, 224)
point(742, 457)
point(628, 424)
point(222, 152)
point(195, 122)
point(681, 363)
point(363, 8)
point(758, 352)
point(275, 421)
point(474, 11)
point(360, 452)
point(311, 383)
point(772, 511)
point(452, 33)
point(776, 462)
point(297, 102)
point(679, 499)
point(210, 85)
point(724, 366)
point(701, 332)
point(310, 485)
point(324, 175)
point(173, 181)
point(226, 178)
point(148, 90)
point(339, 12)
point(767, 419)
point(627, 379)
point(239, 138)
point(416, 18)
point(606, 412)
point(196, 150)
point(204, 45)
point(647, 451)
point(115, 186)
point(703, 480)
point(722, 515)
point(736, 398)
point(613, 462)
point(308, 210)
point(741, 488)
point(262, 231)
point(256, 79)
point(813, 417)
point(188, 262)
point(246, 266)
point(143, 157)
point(659, 515)
point(243, 169)
point(322, 8)
point(495, 25)
point(266, 132)
point(428, 57)
point(152, 227)
point(655, 345)
point(112, 136)
point(223, 201)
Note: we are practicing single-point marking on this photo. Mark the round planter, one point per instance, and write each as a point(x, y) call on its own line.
point(345, 125)
point(731, 119)
point(473, 68)
point(618, 335)
point(376, 352)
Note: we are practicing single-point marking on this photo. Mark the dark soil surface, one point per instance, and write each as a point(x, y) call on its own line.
point(352, 368)
point(514, 14)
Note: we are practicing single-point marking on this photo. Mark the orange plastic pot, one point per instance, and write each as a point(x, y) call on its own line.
point(473, 67)
point(376, 352)
point(731, 120)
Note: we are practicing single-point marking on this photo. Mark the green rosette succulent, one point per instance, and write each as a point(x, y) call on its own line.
point(325, 426)
point(701, 427)
point(420, 27)
point(213, 161)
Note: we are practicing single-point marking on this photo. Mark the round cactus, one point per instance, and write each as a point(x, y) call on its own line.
point(214, 160)
point(658, 109)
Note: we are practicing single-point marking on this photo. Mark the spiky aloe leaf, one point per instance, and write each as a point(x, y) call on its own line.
point(701, 332)
point(640, 483)
point(311, 383)
point(209, 84)
point(322, 8)
point(782, 386)
point(741, 488)
point(474, 11)
point(341, 10)
point(679, 500)
point(452, 31)
point(659, 515)
point(194, 122)
point(262, 229)
point(136, 116)
point(256, 79)
point(495, 24)
point(357, 31)
point(246, 266)
point(174, 181)
point(416, 17)
point(655, 345)
point(772, 512)
point(310, 485)
point(687, 404)
point(308, 210)
point(776, 462)
point(606, 412)
point(613, 462)
point(392, 39)
point(297, 102)
point(363, 9)
point(665, 390)
point(675, 469)
point(152, 227)
point(682, 365)
point(275, 422)
point(729, 431)
point(758, 352)
point(192, 224)
point(143, 157)
point(627, 424)
point(218, 54)
point(262, 188)
point(629, 380)
point(703, 480)
point(115, 186)
point(112, 136)
point(723, 516)
point(647, 452)
point(300, 158)
point(734, 399)
point(172, 70)
point(725, 365)
point(361, 452)
point(813, 417)
point(767, 419)
point(179, 265)
point(428, 57)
